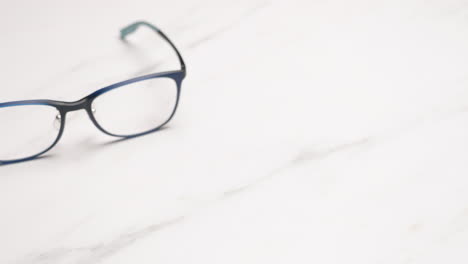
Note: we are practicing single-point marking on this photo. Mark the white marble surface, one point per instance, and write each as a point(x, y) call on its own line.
point(308, 132)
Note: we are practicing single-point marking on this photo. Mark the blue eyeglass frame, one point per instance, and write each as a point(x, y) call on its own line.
point(86, 103)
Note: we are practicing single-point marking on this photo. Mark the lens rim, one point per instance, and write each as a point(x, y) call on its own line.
point(48, 103)
point(86, 104)
point(177, 77)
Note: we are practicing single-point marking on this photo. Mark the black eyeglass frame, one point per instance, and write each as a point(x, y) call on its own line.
point(86, 103)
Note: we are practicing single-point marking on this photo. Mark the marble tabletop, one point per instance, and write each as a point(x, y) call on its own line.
point(308, 132)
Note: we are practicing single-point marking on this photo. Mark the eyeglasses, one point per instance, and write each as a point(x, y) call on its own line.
point(126, 109)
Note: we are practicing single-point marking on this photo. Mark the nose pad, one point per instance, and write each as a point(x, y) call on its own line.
point(93, 111)
point(58, 121)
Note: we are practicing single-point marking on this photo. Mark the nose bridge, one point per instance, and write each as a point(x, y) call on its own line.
point(74, 106)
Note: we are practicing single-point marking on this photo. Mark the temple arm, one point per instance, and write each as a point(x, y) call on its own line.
point(133, 27)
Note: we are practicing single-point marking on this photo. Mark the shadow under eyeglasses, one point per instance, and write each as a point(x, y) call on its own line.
point(94, 148)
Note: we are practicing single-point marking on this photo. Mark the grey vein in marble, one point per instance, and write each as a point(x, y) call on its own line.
point(301, 158)
point(212, 35)
point(97, 252)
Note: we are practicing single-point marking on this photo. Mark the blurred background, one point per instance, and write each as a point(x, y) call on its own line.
point(308, 131)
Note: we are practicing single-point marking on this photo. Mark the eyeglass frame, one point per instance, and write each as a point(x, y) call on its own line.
point(86, 103)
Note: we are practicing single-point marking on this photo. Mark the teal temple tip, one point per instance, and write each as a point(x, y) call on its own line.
point(133, 27)
point(124, 32)
point(128, 30)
